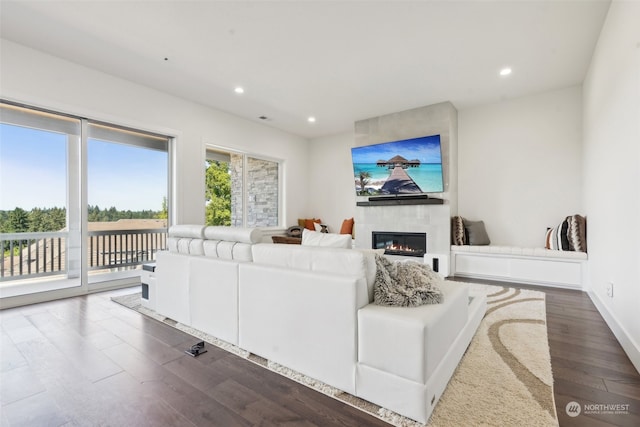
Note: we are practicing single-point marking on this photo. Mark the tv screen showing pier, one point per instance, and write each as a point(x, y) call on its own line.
point(411, 166)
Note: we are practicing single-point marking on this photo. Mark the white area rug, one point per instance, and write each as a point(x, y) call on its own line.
point(504, 378)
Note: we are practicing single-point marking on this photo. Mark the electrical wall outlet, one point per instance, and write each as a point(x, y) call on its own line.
point(610, 289)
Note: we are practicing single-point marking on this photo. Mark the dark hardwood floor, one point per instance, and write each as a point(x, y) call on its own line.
point(589, 365)
point(87, 361)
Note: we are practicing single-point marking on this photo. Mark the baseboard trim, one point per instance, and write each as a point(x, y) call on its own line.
point(626, 341)
point(516, 281)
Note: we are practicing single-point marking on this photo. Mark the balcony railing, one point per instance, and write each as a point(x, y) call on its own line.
point(124, 248)
point(31, 255)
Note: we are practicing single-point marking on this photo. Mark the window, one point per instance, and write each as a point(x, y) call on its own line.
point(81, 201)
point(241, 190)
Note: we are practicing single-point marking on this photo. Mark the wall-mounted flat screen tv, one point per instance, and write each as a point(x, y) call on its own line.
point(410, 166)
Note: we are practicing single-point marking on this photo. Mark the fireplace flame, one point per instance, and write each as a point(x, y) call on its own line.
point(403, 248)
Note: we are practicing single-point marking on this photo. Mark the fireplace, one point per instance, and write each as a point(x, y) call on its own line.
point(396, 243)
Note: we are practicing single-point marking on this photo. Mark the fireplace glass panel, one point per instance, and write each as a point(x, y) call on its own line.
point(406, 244)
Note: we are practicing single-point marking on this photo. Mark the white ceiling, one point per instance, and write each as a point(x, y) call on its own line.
point(340, 61)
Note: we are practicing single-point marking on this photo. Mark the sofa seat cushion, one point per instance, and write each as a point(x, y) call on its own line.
point(410, 342)
point(518, 251)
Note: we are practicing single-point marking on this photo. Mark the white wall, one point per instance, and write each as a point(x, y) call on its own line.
point(519, 165)
point(36, 78)
point(331, 192)
point(612, 172)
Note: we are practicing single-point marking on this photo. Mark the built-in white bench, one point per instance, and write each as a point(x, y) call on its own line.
point(536, 266)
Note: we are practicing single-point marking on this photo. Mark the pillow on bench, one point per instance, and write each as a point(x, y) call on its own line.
point(476, 233)
point(569, 235)
point(465, 232)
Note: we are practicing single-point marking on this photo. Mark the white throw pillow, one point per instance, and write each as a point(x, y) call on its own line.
point(314, 238)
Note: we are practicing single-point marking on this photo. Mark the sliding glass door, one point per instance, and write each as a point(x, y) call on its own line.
point(81, 202)
point(127, 180)
point(40, 219)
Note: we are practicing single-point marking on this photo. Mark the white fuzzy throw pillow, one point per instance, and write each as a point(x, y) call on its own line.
point(405, 284)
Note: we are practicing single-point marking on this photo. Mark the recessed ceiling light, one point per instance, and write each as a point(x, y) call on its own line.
point(505, 71)
point(311, 119)
point(239, 90)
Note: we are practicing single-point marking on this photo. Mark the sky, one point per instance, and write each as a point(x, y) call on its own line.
point(426, 149)
point(33, 173)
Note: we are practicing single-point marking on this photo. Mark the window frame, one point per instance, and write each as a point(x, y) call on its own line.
point(245, 155)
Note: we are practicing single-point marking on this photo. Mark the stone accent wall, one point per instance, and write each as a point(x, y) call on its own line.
point(262, 192)
point(235, 168)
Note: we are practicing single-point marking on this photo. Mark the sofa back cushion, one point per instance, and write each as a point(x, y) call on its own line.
point(185, 245)
point(233, 234)
point(321, 259)
point(237, 251)
point(185, 239)
point(233, 243)
point(191, 231)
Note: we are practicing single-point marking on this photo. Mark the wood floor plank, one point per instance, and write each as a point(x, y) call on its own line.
point(195, 372)
point(193, 404)
point(581, 356)
point(135, 363)
point(80, 354)
point(626, 387)
point(580, 378)
point(10, 356)
point(122, 400)
point(158, 351)
point(253, 406)
point(36, 410)
point(19, 383)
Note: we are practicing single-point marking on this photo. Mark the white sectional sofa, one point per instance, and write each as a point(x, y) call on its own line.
point(310, 309)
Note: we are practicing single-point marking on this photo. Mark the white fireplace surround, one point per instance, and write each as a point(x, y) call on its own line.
point(434, 220)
